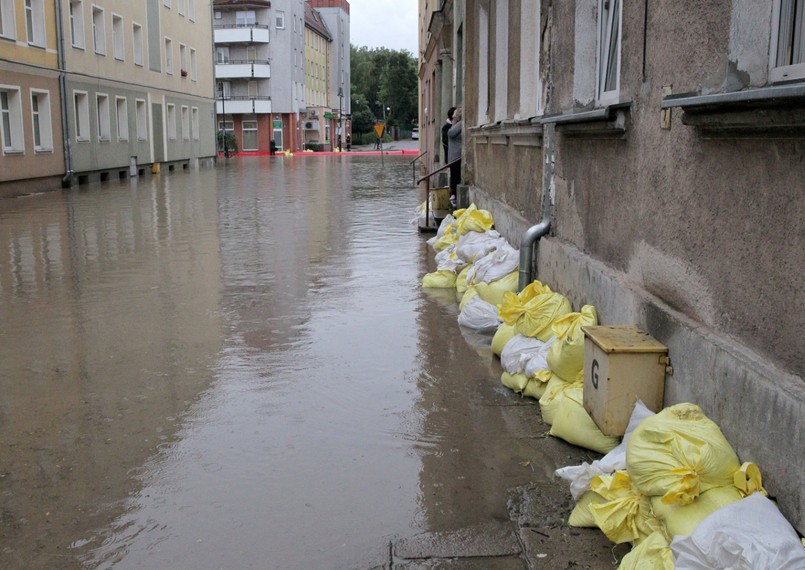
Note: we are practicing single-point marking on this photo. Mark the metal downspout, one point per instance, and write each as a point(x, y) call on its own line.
point(67, 180)
point(534, 233)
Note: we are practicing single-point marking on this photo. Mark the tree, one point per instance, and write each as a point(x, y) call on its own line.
point(385, 78)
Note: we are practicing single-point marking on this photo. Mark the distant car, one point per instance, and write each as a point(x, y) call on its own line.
point(415, 134)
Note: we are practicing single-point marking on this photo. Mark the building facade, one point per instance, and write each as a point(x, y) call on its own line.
point(662, 145)
point(32, 157)
point(317, 127)
point(138, 85)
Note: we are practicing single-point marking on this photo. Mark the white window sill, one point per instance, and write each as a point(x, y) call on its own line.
point(609, 121)
point(82, 139)
point(13, 152)
point(104, 139)
point(43, 150)
point(123, 139)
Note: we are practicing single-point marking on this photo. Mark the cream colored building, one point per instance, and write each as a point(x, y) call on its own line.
point(139, 86)
point(318, 131)
point(32, 153)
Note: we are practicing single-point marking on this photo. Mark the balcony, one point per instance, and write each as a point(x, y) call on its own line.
point(234, 34)
point(239, 69)
point(243, 105)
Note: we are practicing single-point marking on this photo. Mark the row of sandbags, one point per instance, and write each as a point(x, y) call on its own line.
point(676, 490)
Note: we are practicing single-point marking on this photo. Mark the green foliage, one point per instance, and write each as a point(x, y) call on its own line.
point(383, 78)
point(231, 142)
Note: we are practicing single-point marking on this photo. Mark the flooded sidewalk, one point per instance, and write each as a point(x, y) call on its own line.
point(237, 368)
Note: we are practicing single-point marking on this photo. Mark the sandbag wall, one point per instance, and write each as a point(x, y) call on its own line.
point(668, 487)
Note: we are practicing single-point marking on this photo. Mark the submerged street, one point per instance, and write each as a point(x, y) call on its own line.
point(236, 367)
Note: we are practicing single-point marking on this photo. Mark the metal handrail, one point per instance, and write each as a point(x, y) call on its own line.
point(413, 165)
point(426, 179)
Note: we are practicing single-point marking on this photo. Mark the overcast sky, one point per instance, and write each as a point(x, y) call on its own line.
point(384, 23)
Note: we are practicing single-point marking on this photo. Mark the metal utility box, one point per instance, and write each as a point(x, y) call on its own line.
point(621, 365)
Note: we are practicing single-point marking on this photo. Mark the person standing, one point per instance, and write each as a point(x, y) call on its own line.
point(454, 153)
point(446, 127)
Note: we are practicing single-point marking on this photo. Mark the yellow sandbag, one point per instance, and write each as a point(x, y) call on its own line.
point(581, 516)
point(461, 280)
point(678, 454)
point(503, 335)
point(537, 385)
point(748, 480)
point(493, 292)
point(683, 519)
point(458, 213)
point(474, 221)
point(449, 238)
point(566, 355)
point(513, 305)
point(572, 423)
point(554, 392)
point(516, 382)
point(539, 314)
point(468, 294)
point(443, 278)
point(625, 514)
point(653, 553)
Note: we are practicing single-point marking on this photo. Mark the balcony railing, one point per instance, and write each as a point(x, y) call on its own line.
point(243, 105)
point(233, 34)
point(241, 68)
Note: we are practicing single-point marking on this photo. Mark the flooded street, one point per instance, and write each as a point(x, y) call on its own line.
point(237, 368)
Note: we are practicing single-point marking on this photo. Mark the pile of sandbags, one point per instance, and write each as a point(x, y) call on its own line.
point(668, 489)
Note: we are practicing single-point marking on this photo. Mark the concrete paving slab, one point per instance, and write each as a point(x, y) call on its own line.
point(565, 547)
point(506, 563)
point(488, 539)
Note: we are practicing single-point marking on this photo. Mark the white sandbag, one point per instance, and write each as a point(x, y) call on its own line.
point(474, 245)
point(751, 534)
point(419, 219)
point(446, 221)
point(495, 265)
point(539, 360)
point(479, 315)
point(447, 259)
point(518, 351)
point(581, 475)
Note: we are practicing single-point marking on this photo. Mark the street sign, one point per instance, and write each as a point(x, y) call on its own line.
point(380, 129)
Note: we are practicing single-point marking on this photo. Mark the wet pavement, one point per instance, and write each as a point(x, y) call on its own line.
point(236, 367)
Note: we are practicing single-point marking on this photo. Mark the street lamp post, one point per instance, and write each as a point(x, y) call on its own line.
point(340, 116)
point(223, 123)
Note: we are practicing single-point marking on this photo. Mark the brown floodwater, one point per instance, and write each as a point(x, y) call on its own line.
point(236, 367)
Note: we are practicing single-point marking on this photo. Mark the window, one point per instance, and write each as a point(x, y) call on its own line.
point(81, 108)
point(483, 66)
point(185, 123)
point(217, 15)
point(226, 126)
point(77, 23)
point(104, 127)
point(171, 122)
point(193, 65)
point(35, 22)
point(122, 105)
point(117, 37)
point(501, 78)
point(142, 120)
point(530, 83)
point(244, 18)
point(11, 111)
point(222, 54)
point(7, 21)
point(252, 87)
point(788, 40)
point(40, 117)
point(98, 31)
point(169, 56)
point(249, 135)
point(191, 10)
point(180, 7)
point(251, 54)
point(183, 60)
point(194, 123)
point(166, 3)
point(137, 43)
point(609, 50)
point(280, 20)
point(224, 89)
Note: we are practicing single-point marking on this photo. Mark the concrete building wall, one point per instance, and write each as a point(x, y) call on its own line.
point(335, 14)
point(679, 214)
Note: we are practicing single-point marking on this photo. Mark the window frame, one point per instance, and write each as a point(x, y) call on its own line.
point(604, 56)
point(13, 110)
point(193, 65)
point(249, 16)
point(41, 111)
point(96, 38)
point(141, 115)
point(35, 22)
point(77, 17)
point(137, 38)
point(81, 115)
point(194, 123)
point(244, 130)
point(279, 20)
point(788, 71)
point(118, 33)
point(170, 120)
point(102, 115)
point(168, 45)
point(122, 125)
point(8, 19)
point(191, 10)
point(185, 111)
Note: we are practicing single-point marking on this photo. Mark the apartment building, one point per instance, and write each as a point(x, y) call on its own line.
point(658, 146)
point(32, 156)
point(317, 127)
point(139, 85)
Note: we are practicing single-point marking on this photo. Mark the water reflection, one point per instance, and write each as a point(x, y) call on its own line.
point(237, 367)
